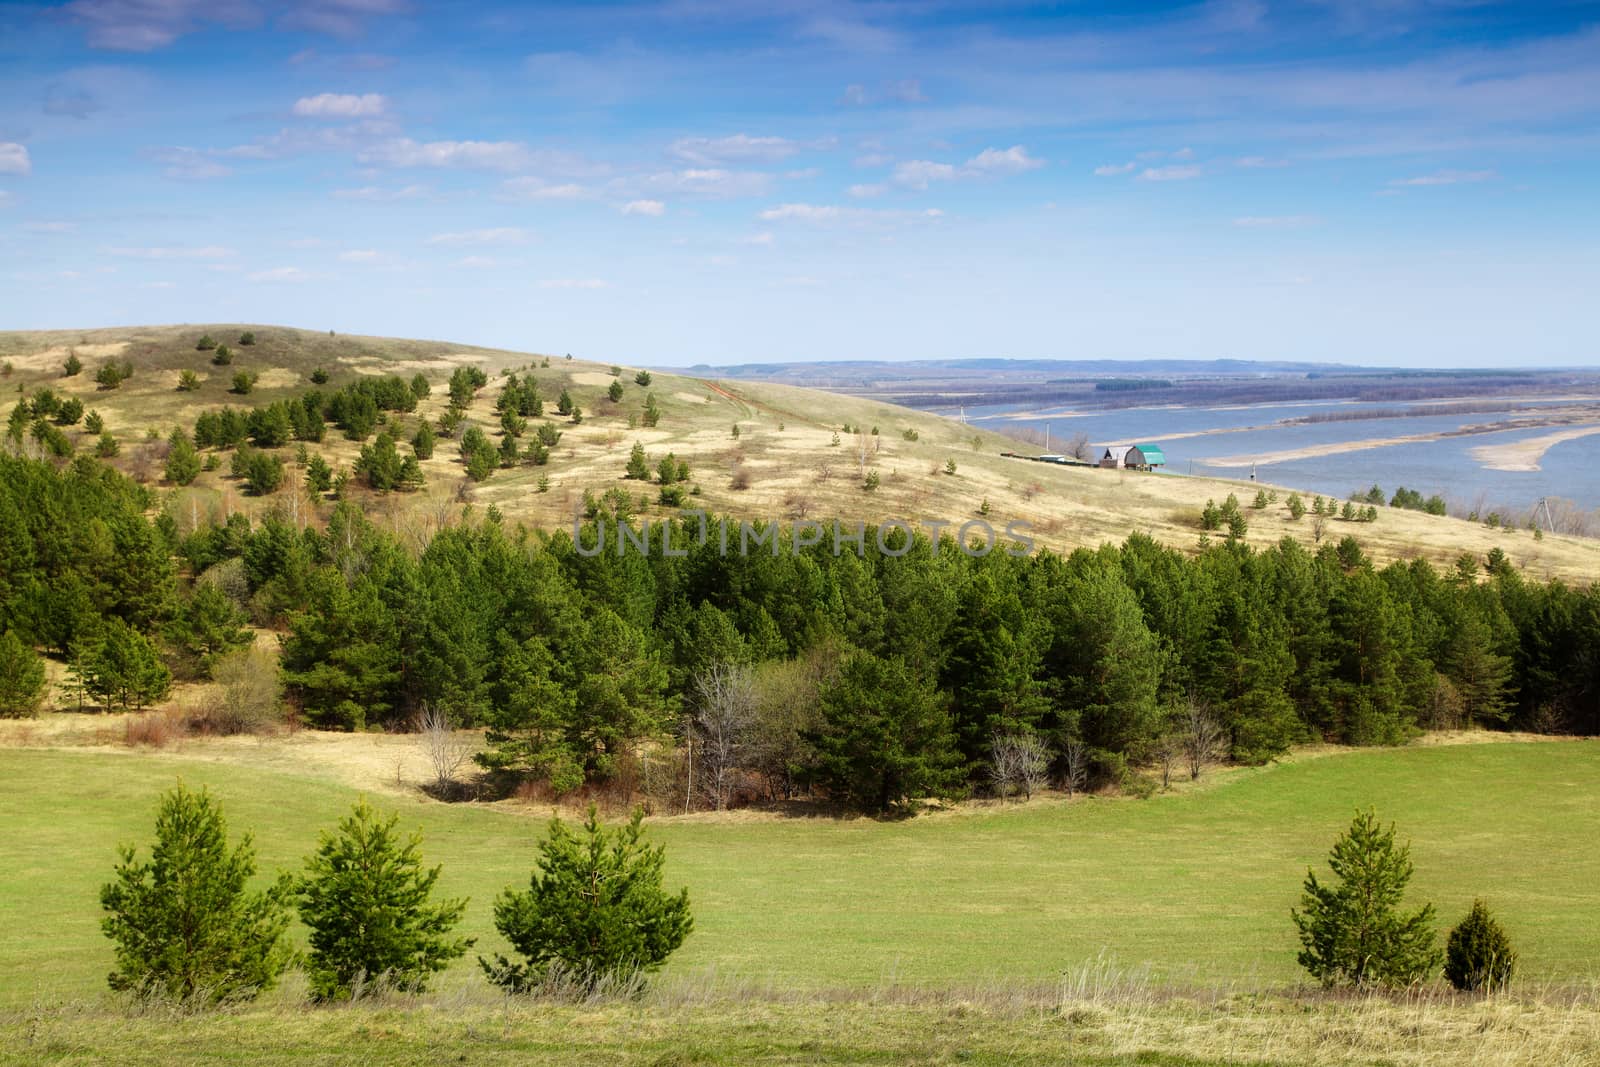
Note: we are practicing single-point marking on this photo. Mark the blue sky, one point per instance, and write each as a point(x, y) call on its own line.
point(1383, 181)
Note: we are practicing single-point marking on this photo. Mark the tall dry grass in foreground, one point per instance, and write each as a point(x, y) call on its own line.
point(1093, 1014)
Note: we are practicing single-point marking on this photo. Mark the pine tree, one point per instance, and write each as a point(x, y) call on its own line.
point(638, 463)
point(22, 679)
point(1478, 954)
point(366, 899)
point(73, 366)
point(184, 923)
point(319, 476)
point(594, 909)
point(614, 392)
point(886, 737)
point(1353, 932)
point(183, 462)
point(422, 443)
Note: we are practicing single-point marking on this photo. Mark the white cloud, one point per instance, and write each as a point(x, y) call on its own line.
point(472, 155)
point(918, 173)
point(501, 235)
point(360, 255)
point(1184, 154)
point(1447, 177)
point(802, 212)
point(1176, 173)
point(478, 262)
point(188, 164)
point(1274, 222)
point(14, 158)
point(341, 106)
point(739, 148)
point(174, 252)
point(854, 96)
point(49, 227)
point(764, 239)
point(380, 194)
point(538, 189)
point(279, 274)
point(874, 159)
point(867, 191)
point(145, 25)
point(830, 213)
point(573, 283)
point(1013, 160)
point(651, 208)
point(712, 182)
point(1111, 170)
point(908, 91)
point(1259, 162)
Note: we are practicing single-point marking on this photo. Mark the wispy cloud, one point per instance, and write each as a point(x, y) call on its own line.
point(202, 252)
point(468, 155)
point(1176, 173)
point(1111, 170)
point(381, 194)
point(574, 283)
point(500, 235)
point(277, 275)
point(649, 208)
point(920, 173)
point(829, 213)
point(1447, 177)
point(14, 158)
point(531, 188)
point(188, 164)
point(739, 148)
point(341, 106)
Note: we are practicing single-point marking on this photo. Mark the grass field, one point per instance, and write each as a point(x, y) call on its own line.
point(1191, 888)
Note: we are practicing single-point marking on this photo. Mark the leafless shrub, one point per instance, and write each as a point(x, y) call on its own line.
point(724, 717)
point(739, 477)
point(1074, 766)
point(446, 749)
point(1018, 763)
point(1168, 744)
point(1031, 490)
point(798, 504)
point(824, 472)
point(1078, 447)
point(1201, 736)
point(155, 728)
point(249, 693)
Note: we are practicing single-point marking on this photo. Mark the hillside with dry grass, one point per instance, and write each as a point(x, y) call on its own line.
point(791, 457)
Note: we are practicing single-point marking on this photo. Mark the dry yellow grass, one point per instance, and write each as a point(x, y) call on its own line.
point(785, 448)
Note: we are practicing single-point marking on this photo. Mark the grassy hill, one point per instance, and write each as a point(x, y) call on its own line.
point(786, 452)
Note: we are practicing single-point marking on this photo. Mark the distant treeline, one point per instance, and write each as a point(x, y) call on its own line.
point(900, 671)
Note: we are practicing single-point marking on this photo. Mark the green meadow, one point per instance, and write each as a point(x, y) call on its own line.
point(1192, 888)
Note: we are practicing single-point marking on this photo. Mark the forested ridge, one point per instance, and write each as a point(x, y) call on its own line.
point(870, 678)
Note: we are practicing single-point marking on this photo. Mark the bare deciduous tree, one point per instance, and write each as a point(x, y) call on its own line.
point(1075, 766)
point(1078, 447)
point(1018, 763)
point(1202, 737)
point(249, 692)
point(447, 750)
point(1165, 749)
point(724, 719)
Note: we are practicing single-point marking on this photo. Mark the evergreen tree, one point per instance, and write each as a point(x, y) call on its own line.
point(184, 923)
point(422, 443)
point(638, 463)
point(366, 899)
point(118, 665)
point(885, 739)
point(1353, 932)
point(72, 367)
point(188, 381)
point(209, 624)
point(22, 679)
point(319, 476)
point(1478, 954)
point(564, 404)
point(420, 387)
point(614, 392)
point(341, 659)
point(183, 462)
point(995, 655)
point(379, 464)
point(594, 909)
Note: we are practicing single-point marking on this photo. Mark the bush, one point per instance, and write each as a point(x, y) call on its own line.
point(594, 909)
point(188, 381)
point(205, 344)
point(251, 692)
point(642, 378)
point(244, 382)
point(72, 366)
point(614, 392)
point(319, 377)
point(1353, 932)
point(183, 923)
point(222, 356)
point(21, 678)
point(247, 339)
point(1478, 954)
point(365, 897)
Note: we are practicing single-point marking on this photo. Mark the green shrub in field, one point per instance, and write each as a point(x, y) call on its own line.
point(1478, 954)
point(594, 909)
point(366, 898)
point(184, 923)
point(1354, 932)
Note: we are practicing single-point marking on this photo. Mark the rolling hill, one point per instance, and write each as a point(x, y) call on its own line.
point(791, 457)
